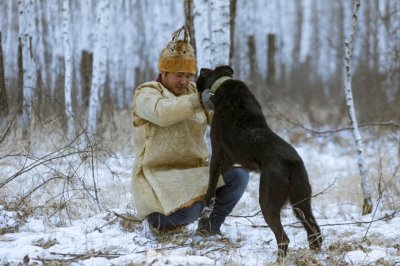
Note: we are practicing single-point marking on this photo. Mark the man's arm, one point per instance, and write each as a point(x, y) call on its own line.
point(150, 105)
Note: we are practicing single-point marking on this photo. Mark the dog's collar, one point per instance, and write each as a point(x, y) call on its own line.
point(218, 83)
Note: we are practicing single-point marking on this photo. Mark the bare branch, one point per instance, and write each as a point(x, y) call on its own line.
point(298, 225)
point(257, 213)
point(333, 131)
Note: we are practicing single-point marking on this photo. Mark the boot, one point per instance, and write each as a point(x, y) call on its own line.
point(206, 228)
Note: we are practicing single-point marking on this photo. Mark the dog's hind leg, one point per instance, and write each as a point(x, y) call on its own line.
point(300, 198)
point(273, 195)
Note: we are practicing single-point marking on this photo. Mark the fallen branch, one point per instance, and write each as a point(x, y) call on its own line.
point(164, 248)
point(131, 219)
point(78, 257)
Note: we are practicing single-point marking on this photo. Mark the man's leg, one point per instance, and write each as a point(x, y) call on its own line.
point(181, 217)
point(227, 196)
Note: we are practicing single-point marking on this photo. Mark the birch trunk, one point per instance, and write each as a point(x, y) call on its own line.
point(116, 58)
point(26, 29)
point(55, 44)
point(232, 24)
point(130, 49)
point(220, 35)
point(188, 7)
point(68, 69)
point(212, 32)
point(367, 205)
point(3, 92)
point(99, 65)
point(86, 36)
point(202, 32)
point(40, 46)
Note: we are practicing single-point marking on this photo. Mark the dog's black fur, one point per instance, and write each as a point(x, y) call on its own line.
point(240, 134)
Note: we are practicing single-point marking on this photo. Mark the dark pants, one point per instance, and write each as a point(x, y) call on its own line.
point(227, 197)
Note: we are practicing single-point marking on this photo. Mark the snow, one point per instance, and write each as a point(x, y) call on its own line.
point(91, 236)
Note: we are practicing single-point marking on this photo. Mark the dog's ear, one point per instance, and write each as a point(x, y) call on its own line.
point(225, 70)
point(205, 72)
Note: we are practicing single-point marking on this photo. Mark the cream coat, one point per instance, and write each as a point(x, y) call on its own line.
point(170, 168)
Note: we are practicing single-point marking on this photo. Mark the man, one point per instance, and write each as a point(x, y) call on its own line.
point(171, 174)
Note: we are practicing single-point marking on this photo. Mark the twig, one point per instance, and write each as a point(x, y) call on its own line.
point(94, 178)
point(133, 219)
point(77, 257)
point(313, 196)
point(245, 216)
point(335, 224)
point(372, 219)
point(58, 154)
point(333, 131)
point(379, 199)
point(212, 250)
point(165, 248)
point(8, 130)
point(33, 190)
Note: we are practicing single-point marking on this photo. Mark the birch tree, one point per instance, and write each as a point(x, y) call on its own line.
point(202, 32)
point(116, 58)
point(367, 205)
point(40, 44)
point(85, 42)
point(220, 34)
point(212, 32)
point(53, 20)
point(99, 65)
point(130, 48)
point(68, 69)
point(232, 16)
point(3, 93)
point(26, 30)
point(188, 7)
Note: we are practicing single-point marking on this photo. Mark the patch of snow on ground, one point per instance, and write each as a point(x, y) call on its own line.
point(98, 238)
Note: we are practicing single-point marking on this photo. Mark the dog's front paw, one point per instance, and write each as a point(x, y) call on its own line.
point(206, 212)
point(208, 201)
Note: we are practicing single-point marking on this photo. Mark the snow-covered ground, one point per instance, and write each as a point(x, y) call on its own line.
point(67, 216)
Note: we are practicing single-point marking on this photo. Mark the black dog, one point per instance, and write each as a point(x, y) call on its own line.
point(240, 134)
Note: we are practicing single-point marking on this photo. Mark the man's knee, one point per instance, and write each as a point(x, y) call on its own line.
point(238, 177)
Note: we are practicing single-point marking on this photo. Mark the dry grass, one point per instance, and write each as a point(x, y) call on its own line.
point(64, 189)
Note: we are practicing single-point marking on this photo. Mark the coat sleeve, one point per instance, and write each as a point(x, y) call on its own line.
point(152, 106)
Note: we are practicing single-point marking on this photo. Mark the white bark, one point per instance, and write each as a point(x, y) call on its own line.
point(68, 69)
point(26, 29)
point(203, 31)
point(86, 32)
point(9, 45)
point(116, 58)
point(367, 207)
point(211, 23)
point(220, 32)
point(40, 48)
point(99, 65)
point(55, 43)
point(130, 50)
point(82, 28)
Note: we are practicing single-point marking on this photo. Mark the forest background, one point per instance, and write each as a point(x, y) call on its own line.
point(68, 71)
point(291, 54)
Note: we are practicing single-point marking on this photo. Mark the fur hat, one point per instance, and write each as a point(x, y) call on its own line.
point(179, 55)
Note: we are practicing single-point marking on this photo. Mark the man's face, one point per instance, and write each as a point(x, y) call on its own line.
point(176, 82)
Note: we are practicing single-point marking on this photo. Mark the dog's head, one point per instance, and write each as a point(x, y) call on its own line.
point(207, 76)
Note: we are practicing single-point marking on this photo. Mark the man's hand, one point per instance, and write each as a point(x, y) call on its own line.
point(206, 100)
